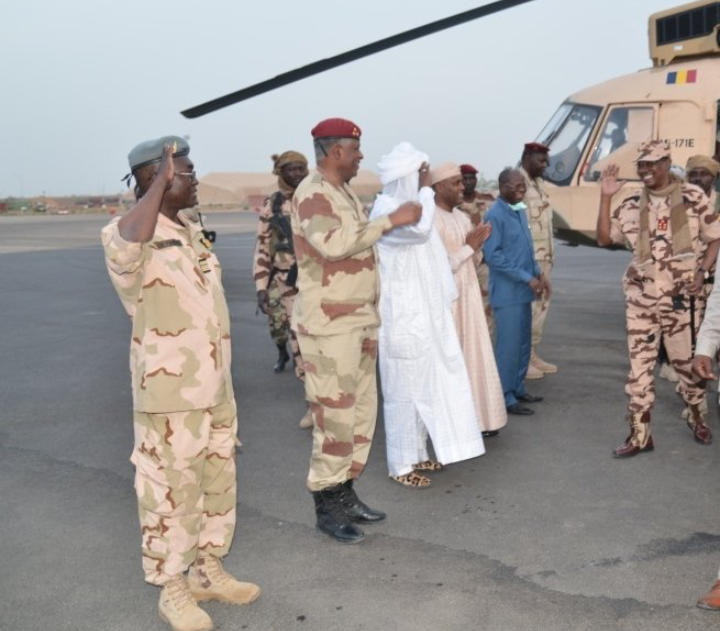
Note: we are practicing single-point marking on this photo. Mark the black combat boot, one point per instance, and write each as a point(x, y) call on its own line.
point(356, 509)
point(331, 518)
point(283, 358)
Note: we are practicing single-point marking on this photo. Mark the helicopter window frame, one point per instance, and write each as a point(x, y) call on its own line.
point(626, 119)
point(554, 130)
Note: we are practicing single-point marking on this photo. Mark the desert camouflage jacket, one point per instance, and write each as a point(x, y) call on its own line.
point(172, 291)
point(671, 272)
point(337, 275)
point(269, 259)
point(540, 217)
point(477, 208)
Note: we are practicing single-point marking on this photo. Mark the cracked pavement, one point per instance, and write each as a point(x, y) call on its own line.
point(545, 532)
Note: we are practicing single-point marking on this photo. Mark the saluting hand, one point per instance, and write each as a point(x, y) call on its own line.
point(609, 184)
point(166, 170)
point(702, 366)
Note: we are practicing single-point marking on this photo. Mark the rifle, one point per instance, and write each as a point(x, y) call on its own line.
point(283, 230)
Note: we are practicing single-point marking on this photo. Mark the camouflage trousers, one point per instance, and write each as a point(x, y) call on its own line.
point(540, 306)
point(281, 298)
point(483, 274)
point(186, 486)
point(341, 389)
point(650, 317)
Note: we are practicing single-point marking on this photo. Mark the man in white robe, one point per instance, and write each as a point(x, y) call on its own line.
point(425, 384)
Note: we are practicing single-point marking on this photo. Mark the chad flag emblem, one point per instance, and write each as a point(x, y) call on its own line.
point(681, 76)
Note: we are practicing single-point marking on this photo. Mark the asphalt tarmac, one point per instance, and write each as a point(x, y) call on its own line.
point(545, 532)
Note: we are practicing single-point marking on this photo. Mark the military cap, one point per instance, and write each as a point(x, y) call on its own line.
point(468, 169)
point(703, 162)
point(335, 128)
point(536, 147)
point(150, 151)
point(653, 150)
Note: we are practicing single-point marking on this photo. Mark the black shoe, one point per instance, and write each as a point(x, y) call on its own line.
point(357, 510)
point(529, 398)
point(283, 358)
point(491, 433)
point(520, 410)
point(331, 517)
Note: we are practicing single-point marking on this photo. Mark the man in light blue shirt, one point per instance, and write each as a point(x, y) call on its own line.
point(515, 281)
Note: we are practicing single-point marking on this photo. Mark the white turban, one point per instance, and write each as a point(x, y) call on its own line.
point(399, 172)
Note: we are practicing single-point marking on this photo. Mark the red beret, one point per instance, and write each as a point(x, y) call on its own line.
point(466, 169)
point(536, 147)
point(336, 128)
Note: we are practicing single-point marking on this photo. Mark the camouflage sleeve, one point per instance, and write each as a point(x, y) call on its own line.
point(708, 221)
point(335, 237)
point(122, 257)
point(616, 233)
point(262, 261)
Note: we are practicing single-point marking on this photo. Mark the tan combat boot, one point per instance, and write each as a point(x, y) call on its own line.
point(208, 581)
point(307, 420)
point(685, 414)
point(543, 366)
point(639, 439)
point(695, 421)
point(178, 608)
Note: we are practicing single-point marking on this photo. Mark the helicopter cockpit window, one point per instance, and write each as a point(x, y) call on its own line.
point(567, 134)
point(623, 125)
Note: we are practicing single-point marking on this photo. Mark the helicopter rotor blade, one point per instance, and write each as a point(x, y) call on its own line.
point(352, 55)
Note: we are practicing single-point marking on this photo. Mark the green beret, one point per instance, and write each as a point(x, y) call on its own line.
point(150, 151)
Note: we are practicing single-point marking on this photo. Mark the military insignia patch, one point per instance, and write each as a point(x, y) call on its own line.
point(204, 263)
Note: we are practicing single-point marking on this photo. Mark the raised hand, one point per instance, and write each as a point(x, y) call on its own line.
point(166, 170)
point(425, 179)
point(609, 184)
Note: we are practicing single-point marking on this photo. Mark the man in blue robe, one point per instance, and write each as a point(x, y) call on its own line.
point(515, 281)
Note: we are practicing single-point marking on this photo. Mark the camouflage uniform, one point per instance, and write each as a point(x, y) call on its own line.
point(476, 210)
point(336, 319)
point(272, 263)
point(185, 420)
point(540, 216)
point(655, 293)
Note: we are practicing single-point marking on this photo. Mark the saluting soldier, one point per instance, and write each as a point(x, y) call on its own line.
point(475, 204)
point(667, 226)
point(336, 320)
point(185, 421)
point(534, 161)
point(274, 266)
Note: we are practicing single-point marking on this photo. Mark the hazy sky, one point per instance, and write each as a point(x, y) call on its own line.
point(84, 81)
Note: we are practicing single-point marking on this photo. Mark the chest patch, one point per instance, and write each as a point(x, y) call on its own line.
point(168, 243)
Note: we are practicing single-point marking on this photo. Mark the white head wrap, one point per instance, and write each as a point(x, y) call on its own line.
point(399, 172)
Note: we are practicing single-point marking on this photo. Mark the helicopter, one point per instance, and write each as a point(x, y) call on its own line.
point(676, 99)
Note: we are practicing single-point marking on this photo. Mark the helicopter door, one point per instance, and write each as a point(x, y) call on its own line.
point(625, 127)
point(688, 130)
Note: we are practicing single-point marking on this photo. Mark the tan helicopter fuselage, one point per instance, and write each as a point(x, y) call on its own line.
point(606, 123)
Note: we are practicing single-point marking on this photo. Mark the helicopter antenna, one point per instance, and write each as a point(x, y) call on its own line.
point(352, 55)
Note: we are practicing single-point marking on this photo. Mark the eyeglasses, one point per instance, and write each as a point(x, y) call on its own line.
point(186, 173)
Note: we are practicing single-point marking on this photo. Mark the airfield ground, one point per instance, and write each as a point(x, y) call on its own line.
point(545, 532)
